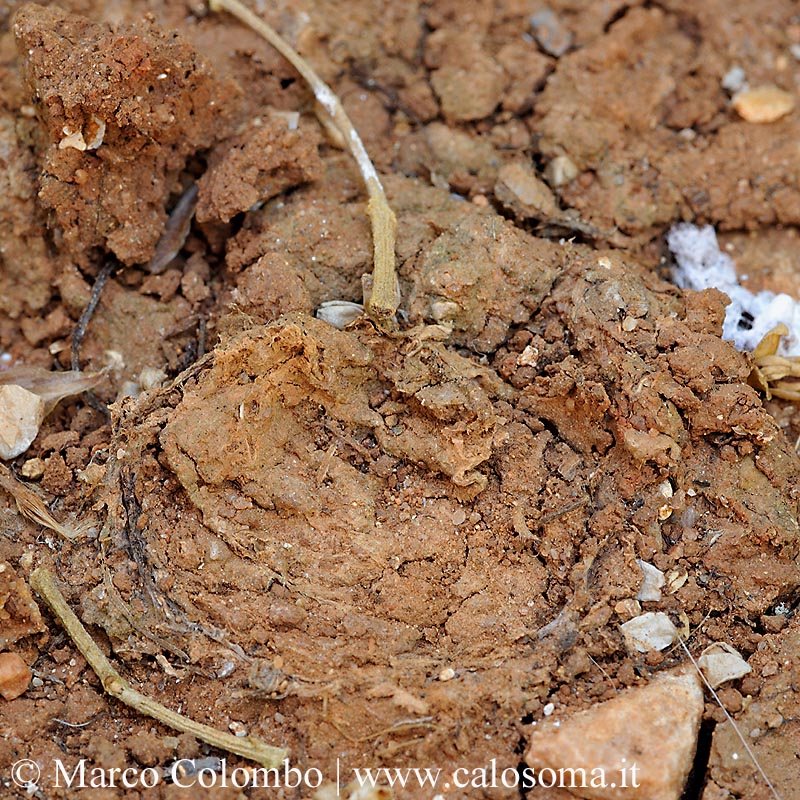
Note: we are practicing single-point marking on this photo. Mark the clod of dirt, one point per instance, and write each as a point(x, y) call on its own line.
point(268, 288)
point(653, 138)
point(451, 159)
point(15, 676)
point(255, 166)
point(116, 327)
point(156, 102)
point(26, 266)
point(468, 81)
point(653, 728)
point(522, 193)
point(19, 614)
point(478, 275)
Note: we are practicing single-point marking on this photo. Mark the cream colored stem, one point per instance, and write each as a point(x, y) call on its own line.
point(382, 303)
point(45, 586)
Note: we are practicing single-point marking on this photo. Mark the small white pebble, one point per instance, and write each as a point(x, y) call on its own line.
point(734, 80)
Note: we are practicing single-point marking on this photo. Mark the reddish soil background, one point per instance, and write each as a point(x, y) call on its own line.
point(396, 551)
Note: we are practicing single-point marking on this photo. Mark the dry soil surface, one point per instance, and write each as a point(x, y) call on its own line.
point(396, 550)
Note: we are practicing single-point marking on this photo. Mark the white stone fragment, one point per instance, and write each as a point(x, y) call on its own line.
point(653, 580)
point(152, 378)
point(21, 414)
point(650, 631)
point(734, 80)
point(96, 130)
point(560, 170)
point(72, 139)
point(722, 663)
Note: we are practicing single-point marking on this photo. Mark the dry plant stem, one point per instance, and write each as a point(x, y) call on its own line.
point(113, 683)
point(382, 302)
point(80, 329)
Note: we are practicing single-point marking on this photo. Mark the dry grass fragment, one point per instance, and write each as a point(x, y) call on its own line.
point(776, 376)
point(31, 506)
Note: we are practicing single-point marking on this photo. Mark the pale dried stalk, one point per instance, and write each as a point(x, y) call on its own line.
point(382, 303)
point(113, 683)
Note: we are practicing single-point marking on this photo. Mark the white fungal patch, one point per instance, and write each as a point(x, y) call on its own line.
point(700, 264)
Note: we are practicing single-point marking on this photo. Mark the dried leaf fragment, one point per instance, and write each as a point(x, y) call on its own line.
point(32, 506)
point(27, 396)
point(771, 371)
point(51, 386)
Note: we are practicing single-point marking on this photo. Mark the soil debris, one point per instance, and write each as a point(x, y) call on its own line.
point(253, 167)
point(19, 614)
point(397, 550)
point(159, 104)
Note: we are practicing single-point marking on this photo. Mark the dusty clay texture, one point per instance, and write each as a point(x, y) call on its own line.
point(407, 550)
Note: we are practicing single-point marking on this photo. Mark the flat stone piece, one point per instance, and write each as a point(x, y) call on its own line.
point(21, 413)
point(638, 746)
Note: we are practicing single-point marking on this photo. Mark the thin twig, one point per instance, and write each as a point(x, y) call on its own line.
point(113, 683)
point(83, 323)
point(382, 302)
point(554, 515)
